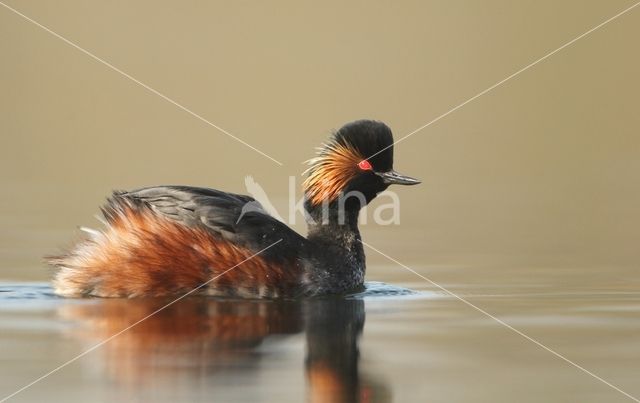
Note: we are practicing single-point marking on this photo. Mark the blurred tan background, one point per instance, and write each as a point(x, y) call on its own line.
point(541, 172)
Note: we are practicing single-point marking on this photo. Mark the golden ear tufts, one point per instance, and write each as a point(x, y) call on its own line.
point(330, 171)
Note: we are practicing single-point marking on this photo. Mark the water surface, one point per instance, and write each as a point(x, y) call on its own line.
point(389, 343)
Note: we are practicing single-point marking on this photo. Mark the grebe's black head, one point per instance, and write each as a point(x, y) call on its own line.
point(357, 162)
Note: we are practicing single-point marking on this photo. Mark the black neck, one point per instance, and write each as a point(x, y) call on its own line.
point(336, 246)
point(333, 223)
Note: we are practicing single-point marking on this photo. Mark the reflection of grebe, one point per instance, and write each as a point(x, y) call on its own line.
point(193, 335)
point(171, 239)
point(196, 340)
point(333, 355)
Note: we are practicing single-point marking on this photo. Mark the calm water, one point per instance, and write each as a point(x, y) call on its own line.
point(389, 343)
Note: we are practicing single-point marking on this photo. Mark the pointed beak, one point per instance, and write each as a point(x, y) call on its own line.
point(394, 178)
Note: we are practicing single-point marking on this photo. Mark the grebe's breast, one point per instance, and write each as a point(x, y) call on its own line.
point(172, 240)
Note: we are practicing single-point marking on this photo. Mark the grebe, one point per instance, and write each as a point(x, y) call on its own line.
point(169, 240)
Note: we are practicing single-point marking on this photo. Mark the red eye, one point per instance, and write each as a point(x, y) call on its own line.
point(365, 165)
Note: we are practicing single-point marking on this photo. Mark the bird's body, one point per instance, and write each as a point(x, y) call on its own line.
point(170, 240)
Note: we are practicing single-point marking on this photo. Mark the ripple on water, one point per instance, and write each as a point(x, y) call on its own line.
point(44, 292)
point(377, 289)
point(28, 297)
point(9, 291)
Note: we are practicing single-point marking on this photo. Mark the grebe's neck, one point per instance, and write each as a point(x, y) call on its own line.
point(335, 227)
point(336, 247)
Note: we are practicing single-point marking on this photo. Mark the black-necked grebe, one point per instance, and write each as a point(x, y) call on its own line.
point(169, 240)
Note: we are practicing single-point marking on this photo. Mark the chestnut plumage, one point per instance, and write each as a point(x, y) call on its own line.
point(170, 240)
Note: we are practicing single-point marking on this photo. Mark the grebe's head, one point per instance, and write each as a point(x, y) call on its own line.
point(357, 160)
